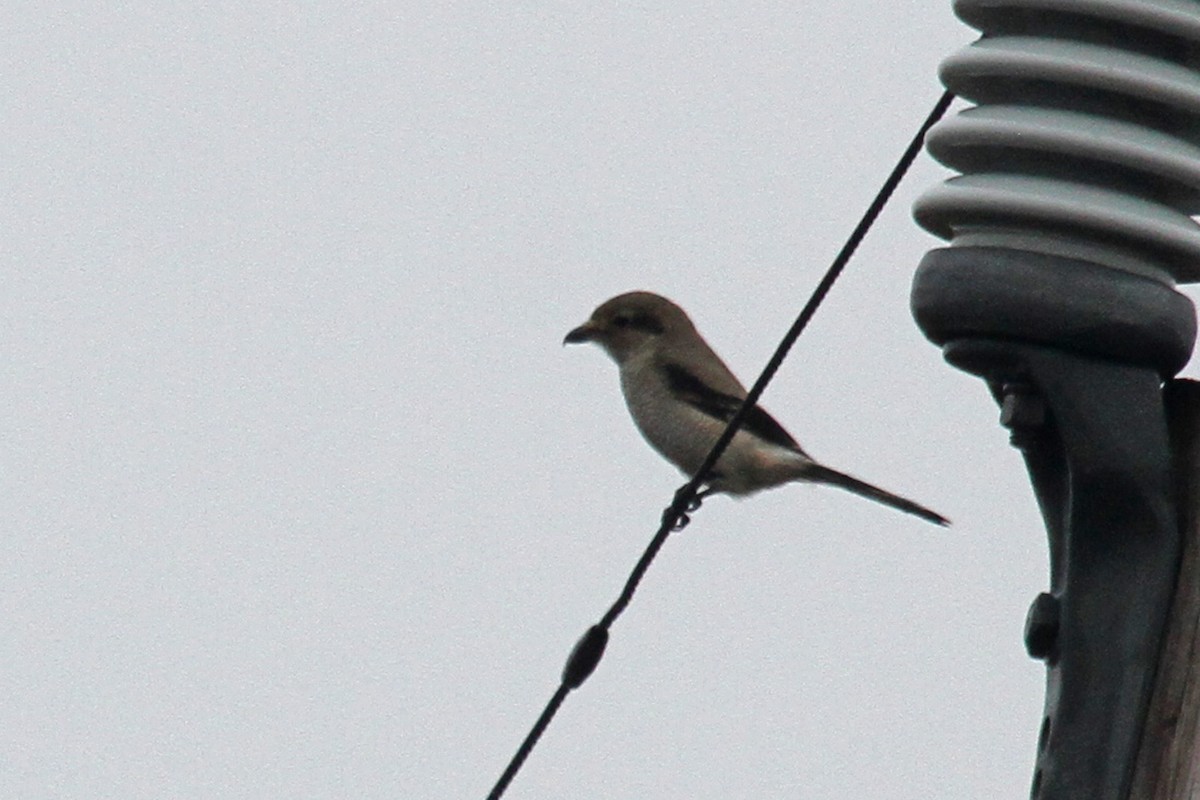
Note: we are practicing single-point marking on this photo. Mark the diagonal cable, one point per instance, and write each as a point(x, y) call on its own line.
point(587, 652)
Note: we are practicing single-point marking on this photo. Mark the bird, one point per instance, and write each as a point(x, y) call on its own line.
point(681, 396)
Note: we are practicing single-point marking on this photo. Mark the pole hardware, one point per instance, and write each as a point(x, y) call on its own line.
point(1068, 228)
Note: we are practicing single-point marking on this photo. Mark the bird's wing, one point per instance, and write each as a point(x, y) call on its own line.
point(689, 388)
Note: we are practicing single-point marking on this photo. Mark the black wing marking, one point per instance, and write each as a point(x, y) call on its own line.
point(698, 394)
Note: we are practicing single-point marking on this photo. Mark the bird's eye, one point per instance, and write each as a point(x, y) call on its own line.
point(644, 323)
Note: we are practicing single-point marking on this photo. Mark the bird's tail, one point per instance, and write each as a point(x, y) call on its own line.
point(823, 474)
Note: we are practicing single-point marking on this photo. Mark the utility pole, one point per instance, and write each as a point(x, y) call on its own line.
point(1168, 764)
point(1068, 229)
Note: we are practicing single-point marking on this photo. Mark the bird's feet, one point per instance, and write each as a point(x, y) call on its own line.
point(682, 515)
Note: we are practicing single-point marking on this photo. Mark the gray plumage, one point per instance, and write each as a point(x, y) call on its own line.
point(681, 396)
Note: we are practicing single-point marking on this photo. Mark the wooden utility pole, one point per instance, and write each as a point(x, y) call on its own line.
point(1168, 764)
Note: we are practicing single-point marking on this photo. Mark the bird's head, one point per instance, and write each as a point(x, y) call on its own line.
point(632, 323)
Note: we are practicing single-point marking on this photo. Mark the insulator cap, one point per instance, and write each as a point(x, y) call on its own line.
point(1002, 293)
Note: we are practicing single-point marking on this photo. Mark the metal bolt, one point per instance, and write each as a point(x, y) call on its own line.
point(1023, 412)
point(1041, 626)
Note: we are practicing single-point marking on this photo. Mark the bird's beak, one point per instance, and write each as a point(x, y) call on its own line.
point(584, 333)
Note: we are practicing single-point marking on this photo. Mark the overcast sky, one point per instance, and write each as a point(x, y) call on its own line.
point(304, 499)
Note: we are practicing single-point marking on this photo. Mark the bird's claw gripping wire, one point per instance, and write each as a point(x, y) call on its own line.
point(676, 519)
point(679, 513)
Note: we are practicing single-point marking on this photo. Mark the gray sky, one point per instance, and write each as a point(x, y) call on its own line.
point(304, 499)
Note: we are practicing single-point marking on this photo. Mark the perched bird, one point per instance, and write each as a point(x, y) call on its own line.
point(682, 396)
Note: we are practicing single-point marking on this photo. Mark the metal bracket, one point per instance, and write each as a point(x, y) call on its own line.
point(1075, 354)
point(1094, 438)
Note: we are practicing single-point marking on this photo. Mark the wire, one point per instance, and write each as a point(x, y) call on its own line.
point(530, 740)
point(586, 654)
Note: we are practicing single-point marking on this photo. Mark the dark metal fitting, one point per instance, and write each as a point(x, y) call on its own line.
point(1021, 408)
point(1023, 412)
point(585, 656)
point(1041, 626)
point(1100, 463)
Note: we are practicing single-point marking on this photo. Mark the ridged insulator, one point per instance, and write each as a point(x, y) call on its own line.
point(1085, 138)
